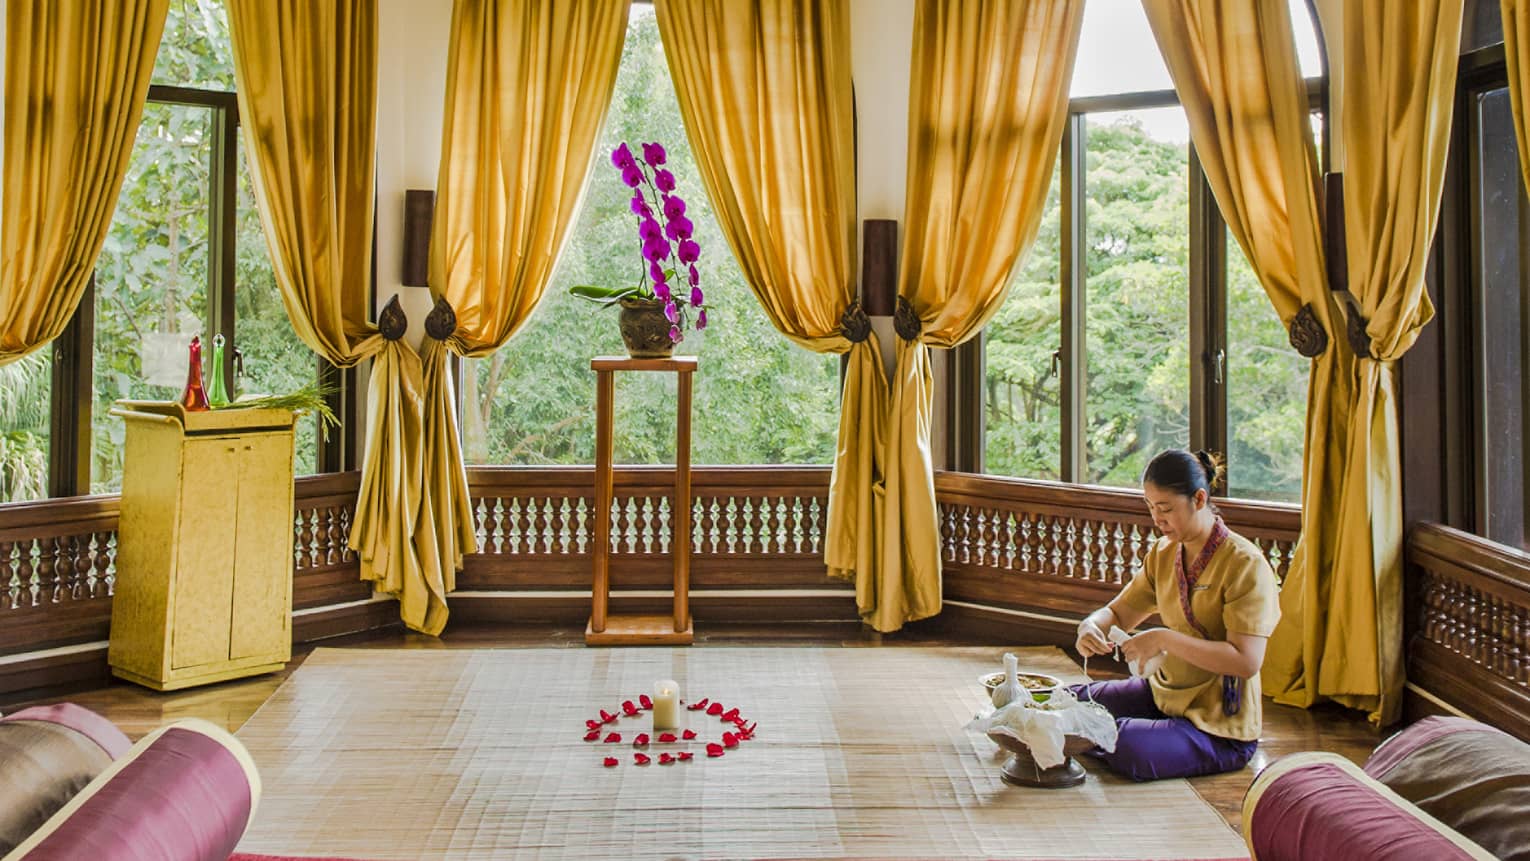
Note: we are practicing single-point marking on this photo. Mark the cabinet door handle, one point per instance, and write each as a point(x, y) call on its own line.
point(247, 448)
point(231, 449)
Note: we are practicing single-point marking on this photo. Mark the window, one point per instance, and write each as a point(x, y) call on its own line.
point(1114, 340)
point(758, 398)
point(184, 255)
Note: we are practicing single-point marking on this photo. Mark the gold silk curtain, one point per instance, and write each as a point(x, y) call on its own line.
point(1234, 66)
point(306, 75)
point(1516, 37)
point(1398, 94)
point(76, 77)
point(528, 86)
point(765, 93)
point(987, 107)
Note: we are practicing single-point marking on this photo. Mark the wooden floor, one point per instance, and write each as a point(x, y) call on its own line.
point(138, 710)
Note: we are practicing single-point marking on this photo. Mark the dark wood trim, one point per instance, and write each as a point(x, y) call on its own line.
point(1073, 272)
point(574, 610)
point(222, 234)
point(1209, 355)
point(344, 619)
point(70, 396)
point(965, 405)
point(196, 97)
point(54, 674)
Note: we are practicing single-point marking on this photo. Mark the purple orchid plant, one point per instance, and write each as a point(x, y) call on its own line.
point(669, 249)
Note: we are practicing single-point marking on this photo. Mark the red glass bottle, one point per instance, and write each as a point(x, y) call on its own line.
point(194, 399)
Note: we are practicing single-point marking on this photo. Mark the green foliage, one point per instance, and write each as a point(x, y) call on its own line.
point(1137, 336)
point(758, 399)
point(24, 428)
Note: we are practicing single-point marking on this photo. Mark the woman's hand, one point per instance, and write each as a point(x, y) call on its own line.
point(1091, 640)
point(1147, 645)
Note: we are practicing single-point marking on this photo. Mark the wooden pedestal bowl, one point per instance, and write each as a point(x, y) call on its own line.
point(1021, 768)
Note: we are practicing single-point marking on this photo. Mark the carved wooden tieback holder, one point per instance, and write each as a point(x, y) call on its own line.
point(1307, 334)
point(854, 324)
point(905, 321)
point(392, 322)
point(1359, 339)
point(441, 322)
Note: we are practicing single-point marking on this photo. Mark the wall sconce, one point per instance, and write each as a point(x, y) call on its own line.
point(879, 266)
point(419, 208)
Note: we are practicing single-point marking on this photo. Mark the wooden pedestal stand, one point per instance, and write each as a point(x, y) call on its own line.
point(641, 630)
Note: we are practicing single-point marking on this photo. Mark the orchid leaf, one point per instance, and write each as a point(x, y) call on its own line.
point(603, 296)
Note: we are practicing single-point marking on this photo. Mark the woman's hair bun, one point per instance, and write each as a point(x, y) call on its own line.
point(1215, 466)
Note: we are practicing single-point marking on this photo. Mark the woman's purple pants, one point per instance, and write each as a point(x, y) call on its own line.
point(1150, 745)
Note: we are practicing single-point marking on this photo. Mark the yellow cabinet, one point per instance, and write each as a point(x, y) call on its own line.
point(204, 545)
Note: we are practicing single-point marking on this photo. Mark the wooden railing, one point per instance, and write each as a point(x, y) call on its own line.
point(751, 528)
point(1468, 630)
point(57, 562)
point(1064, 550)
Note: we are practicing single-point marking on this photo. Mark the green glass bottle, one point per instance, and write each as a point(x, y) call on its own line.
point(217, 395)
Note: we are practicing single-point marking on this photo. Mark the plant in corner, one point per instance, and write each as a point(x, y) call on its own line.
point(655, 311)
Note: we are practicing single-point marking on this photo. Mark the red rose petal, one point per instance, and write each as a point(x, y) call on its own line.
point(611, 762)
point(645, 701)
point(685, 754)
point(640, 758)
point(641, 740)
point(715, 709)
point(730, 715)
point(606, 717)
point(696, 707)
point(613, 738)
point(629, 709)
point(592, 735)
point(667, 737)
point(714, 749)
point(592, 724)
point(666, 759)
point(688, 735)
point(730, 740)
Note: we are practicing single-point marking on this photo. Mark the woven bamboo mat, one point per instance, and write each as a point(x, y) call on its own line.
point(395, 754)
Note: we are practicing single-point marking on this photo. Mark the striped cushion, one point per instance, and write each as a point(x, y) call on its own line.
point(185, 792)
point(49, 754)
point(1320, 806)
point(1468, 775)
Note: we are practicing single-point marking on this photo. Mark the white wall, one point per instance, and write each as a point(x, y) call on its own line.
point(411, 92)
point(881, 38)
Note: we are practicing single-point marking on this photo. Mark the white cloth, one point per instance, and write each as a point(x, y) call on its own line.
point(1139, 668)
point(1044, 727)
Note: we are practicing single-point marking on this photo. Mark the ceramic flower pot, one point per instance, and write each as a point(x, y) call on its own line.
point(645, 329)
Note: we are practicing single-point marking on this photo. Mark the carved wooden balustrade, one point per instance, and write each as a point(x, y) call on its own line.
point(1468, 601)
point(752, 529)
point(1062, 551)
point(57, 561)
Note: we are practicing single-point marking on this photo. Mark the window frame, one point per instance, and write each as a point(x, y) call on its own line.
point(1207, 297)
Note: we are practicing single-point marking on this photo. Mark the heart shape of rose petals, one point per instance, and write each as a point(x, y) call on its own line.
point(715, 709)
point(696, 707)
point(592, 735)
point(613, 738)
point(688, 735)
point(667, 737)
point(665, 759)
point(685, 754)
point(641, 740)
point(640, 758)
point(611, 762)
point(645, 701)
point(714, 749)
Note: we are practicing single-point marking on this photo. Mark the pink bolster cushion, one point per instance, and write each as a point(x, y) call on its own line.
point(49, 753)
point(1320, 806)
point(1468, 775)
point(183, 793)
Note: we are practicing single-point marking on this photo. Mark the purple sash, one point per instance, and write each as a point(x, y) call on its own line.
point(1232, 686)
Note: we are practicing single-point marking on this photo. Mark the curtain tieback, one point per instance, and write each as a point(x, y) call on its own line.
point(392, 322)
point(1359, 339)
point(1307, 333)
point(905, 322)
point(854, 325)
point(441, 322)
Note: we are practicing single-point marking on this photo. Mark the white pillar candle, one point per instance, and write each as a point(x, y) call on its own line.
point(666, 704)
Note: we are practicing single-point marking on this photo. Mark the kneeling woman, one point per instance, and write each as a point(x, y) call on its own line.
point(1200, 712)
